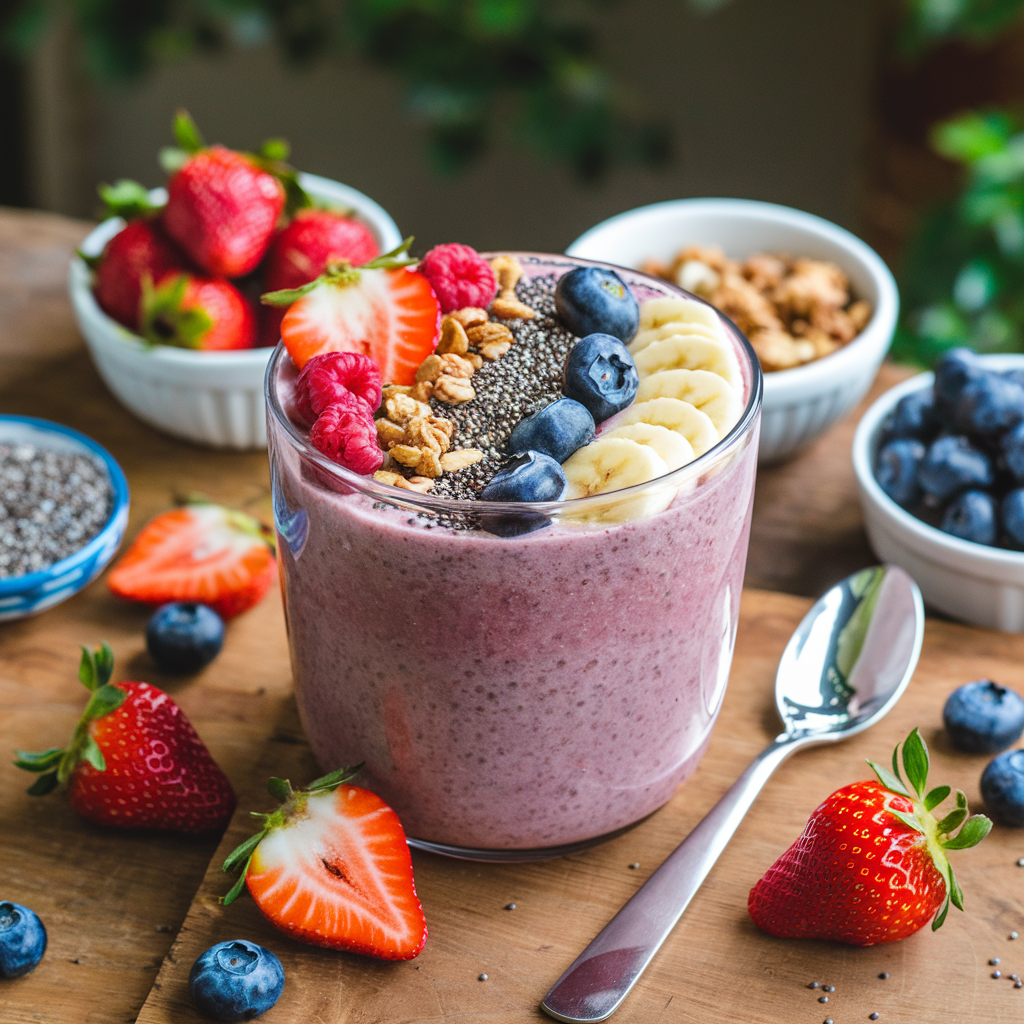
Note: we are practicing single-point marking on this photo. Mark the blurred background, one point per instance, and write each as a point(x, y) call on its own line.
point(520, 123)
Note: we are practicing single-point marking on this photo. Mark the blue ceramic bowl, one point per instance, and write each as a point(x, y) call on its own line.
point(26, 595)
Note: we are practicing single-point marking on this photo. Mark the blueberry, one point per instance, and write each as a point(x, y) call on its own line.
point(528, 476)
point(184, 637)
point(1012, 444)
point(1002, 787)
point(591, 300)
point(896, 470)
point(913, 416)
point(983, 717)
point(557, 430)
point(22, 940)
point(235, 980)
point(953, 464)
point(1011, 511)
point(989, 404)
point(953, 371)
point(600, 374)
point(971, 516)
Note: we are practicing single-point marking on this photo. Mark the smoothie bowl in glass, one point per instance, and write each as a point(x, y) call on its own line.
point(519, 679)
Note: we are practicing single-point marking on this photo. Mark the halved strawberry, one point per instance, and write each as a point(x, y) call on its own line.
point(331, 867)
point(382, 309)
point(203, 553)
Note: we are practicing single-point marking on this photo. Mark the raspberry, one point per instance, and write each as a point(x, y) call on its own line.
point(329, 377)
point(345, 432)
point(460, 277)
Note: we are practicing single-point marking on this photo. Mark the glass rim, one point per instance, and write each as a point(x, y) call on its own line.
point(440, 505)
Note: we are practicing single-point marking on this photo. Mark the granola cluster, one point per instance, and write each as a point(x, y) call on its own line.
point(793, 310)
point(414, 437)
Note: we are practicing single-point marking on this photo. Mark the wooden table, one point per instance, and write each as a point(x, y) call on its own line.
point(115, 901)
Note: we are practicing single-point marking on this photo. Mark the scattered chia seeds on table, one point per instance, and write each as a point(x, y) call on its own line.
point(51, 505)
point(527, 378)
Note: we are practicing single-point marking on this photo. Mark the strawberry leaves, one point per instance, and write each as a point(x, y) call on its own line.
point(939, 835)
point(341, 274)
point(292, 802)
point(54, 766)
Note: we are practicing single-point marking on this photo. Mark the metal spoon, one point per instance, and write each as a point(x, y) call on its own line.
point(843, 669)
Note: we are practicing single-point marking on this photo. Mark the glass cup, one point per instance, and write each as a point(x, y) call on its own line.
point(521, 695)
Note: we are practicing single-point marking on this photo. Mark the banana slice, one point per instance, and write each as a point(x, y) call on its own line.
point(658, 312)
point(669, 444)
point(676, 415)
point(713, 395)
point(689, 352)
point(610, 464)
point(644, 338)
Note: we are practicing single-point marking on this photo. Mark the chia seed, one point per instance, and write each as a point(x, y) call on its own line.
point(993, 961)
point(822, 999)
point(527, 378)
point(482, 977)
point(997, 974)
point(813, 984)
point(884, 975)
point(872, 1016)
point(510, 906)
point(51, 505)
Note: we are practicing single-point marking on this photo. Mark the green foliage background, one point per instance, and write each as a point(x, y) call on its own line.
point(462, 61)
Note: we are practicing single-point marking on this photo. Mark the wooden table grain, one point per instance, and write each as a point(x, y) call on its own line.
point(114, 902)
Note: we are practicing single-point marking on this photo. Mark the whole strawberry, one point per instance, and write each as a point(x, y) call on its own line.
point(222, 206)
point(134, 760)
point(140, 249)
point(300, 254)
point(189, 311)
point(871, 864)
point(301, 251)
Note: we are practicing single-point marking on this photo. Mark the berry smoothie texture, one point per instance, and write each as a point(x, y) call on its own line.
point(511, 693)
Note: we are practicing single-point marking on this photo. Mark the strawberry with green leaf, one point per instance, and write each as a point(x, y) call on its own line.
point(134, 760)
point(189, 311)
point(383, 309)
point(871, 865)
point(223, 206)
point(331, 867)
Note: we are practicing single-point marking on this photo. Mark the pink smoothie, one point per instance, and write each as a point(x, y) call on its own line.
point(511, 693)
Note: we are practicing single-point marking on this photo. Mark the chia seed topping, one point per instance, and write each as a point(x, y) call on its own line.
point(527, 378)
point(51, 505)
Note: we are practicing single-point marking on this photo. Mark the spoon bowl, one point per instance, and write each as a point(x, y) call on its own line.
point(843, 669)
point(851, 657)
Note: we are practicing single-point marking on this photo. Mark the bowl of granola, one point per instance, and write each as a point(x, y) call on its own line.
point(817, 304)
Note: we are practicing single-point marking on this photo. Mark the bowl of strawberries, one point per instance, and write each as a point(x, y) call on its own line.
point(166, 290)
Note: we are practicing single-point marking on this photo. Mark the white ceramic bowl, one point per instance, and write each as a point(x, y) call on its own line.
point(799, 404)
point(979, 584)
point(211, 398)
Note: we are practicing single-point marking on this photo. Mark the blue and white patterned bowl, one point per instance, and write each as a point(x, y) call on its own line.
point(27, 595)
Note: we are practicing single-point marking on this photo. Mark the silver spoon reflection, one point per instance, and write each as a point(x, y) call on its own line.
point(846, 665)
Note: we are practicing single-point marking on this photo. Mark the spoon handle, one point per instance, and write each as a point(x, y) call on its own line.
point(603, 974)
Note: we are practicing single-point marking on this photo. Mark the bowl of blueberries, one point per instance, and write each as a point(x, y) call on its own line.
point(939, 461)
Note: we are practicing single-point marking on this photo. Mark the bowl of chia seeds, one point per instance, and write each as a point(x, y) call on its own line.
point(63, 512)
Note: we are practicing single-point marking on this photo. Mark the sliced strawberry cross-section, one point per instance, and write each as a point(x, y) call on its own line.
point(203, 553)
point(332, 868)
point(382, 310)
